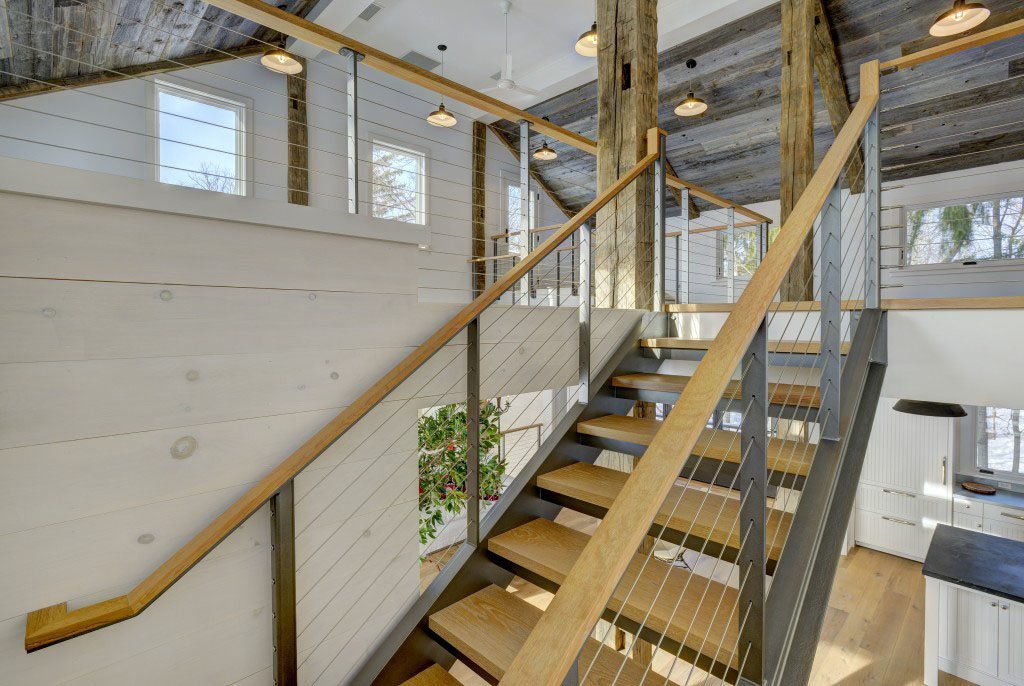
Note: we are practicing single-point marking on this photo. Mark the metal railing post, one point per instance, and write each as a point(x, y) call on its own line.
point(753, 477)
point(586, 278)
point(282, 542)
point(524, 203)
point(872, 213)
point(831, 312)
point(473, 432)
point(730, 275)
point(683, 252)
point(658, 302)
point(352, 109)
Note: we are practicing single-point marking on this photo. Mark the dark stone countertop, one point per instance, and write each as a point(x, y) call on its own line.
point(1001, 497)
point(986, 563)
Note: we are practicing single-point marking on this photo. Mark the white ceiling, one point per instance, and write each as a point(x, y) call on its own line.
point(541, 35)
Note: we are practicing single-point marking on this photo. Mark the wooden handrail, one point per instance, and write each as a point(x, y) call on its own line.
point(55, 623)
point(1008, 30)
point(555, 641)
point(302, 29)
point(710, 229)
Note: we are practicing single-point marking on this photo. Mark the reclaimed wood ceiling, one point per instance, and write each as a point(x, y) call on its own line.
point(952, 114)
point(73, 41)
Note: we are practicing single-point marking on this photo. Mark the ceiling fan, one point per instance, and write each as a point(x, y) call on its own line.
point(505, 80)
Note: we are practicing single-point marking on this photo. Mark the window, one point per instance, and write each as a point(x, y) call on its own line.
point(514, 217)
point(398, 181)
point(987, 229)
point(998, 436)
point(200, 139)
point(747, 258)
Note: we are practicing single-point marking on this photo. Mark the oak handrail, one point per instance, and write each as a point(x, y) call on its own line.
point(55, 623)
point(1007, 30)
point(555, 641)
point(302, 29)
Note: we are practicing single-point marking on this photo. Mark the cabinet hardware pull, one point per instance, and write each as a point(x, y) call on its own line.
point(902, 493)
point(943, 471)
point(994, 604)
point(897, 520)
point(1006, 607)
point(1012, 516)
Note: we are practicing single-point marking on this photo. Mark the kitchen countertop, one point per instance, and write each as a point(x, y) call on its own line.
point(1002, 497)
point(969, 558)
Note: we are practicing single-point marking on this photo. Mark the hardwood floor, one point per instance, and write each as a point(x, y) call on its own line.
point(873, 632)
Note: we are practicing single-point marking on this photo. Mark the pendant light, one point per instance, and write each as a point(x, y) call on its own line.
point(442, 117)
point(545, 153)
point(692, 105)
point(586, 44)
point(963, 17)
point(927, 408)
point(279, 61)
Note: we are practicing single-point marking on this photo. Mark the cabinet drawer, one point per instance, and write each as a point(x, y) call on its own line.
point(968, 521)
point(967, 505)
point(1007, 515)
point(898, 535)
point(901, 503)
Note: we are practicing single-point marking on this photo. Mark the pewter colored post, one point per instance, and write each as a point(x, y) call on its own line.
point(473, 432)
point(831, 312)
point(659, 227)
point(586, 278)
point(731, 259)
point(352, 108)
point(872, 214)
point(524, 204)
point(683, 253)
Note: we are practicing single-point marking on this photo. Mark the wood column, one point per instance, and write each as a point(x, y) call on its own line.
point(479, 247)
point(796, 134)
point(298, 137)
point(627, 94)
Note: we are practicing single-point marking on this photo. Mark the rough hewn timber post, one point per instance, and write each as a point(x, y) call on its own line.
point(627, 106)
point(796, 134)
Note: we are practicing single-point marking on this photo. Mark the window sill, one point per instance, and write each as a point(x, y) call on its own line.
point(959, 267)
point(66, 183)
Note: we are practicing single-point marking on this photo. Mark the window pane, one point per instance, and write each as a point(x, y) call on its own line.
point(984, 230)
point(398, 184)
point(199, 143)
point(999, 439)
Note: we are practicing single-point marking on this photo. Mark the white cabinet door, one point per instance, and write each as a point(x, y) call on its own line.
point(1011, 642)
point(967, 521)
point(969, 629)
point(1006, 529)
point(908, 452)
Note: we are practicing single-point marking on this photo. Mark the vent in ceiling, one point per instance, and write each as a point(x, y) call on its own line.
point(370, 11)
point(420, 60)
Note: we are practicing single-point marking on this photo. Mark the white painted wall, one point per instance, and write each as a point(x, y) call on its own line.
point(154, 364)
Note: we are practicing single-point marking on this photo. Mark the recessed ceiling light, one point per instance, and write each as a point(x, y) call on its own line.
point(964, 16)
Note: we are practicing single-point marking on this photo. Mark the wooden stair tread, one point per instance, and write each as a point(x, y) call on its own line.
point(434, 675)
point(691, 510)
point(550, 549)
point(490, 626)
point(781, 393)
point(801, 347)
point(790, 457)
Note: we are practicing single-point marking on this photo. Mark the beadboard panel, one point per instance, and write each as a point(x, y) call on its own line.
point(975, 616)
point(906, 451)
point(911, 506)
point(906, 537)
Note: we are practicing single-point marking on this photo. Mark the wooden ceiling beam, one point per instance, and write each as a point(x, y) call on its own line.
point(38, 87)
point(833, 89)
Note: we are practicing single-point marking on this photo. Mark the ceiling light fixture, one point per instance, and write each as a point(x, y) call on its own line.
point(692, 105)
point(277, 60)
point(586, 44)
point(545, 153)
point(963, 17)
point(442, 117)
point(927, 408)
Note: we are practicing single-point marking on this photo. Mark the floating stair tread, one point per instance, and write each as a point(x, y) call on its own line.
point(796, 347)
point(490, 626)
point(691, 510)
point(550, 550)
point(781, 393)
point(791, 457)
point(434, 675)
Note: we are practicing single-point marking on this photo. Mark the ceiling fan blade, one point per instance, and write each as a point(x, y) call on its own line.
point(526, 91)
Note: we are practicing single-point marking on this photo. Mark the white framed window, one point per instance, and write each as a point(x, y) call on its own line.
point(200, 138)
point(998, 433)
point(747, 259)
point(512, 204)
point(987, 229)
point(398, 186)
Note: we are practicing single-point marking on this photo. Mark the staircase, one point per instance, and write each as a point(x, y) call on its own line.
point(472, 617)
